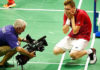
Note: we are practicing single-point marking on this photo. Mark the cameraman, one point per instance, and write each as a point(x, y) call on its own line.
point(10, 42)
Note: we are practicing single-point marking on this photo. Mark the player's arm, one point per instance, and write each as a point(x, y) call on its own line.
point(74, 27)
point(65, 24)
point(65, 28)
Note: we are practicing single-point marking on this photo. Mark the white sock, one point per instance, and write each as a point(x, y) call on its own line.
point(89, 51)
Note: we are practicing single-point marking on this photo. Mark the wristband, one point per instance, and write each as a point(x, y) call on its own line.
point(68, 21)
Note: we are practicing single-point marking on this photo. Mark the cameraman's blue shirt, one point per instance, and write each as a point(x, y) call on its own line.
point(9, 37)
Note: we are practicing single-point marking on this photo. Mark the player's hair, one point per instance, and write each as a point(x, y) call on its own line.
point(19, 23)
point(69, 2)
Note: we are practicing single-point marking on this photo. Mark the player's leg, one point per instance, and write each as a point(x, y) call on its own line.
point(77, 54)
point(78, 50)
point(58, 50)
point(91, 52)
point(62, 46)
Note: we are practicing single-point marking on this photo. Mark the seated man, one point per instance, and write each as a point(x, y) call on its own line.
point(9, 43)
point(11, 3)
point(79, 36)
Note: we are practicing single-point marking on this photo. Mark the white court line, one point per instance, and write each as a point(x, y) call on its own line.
point(49, 10)
point(80, 4)
point(25, 9)
point(88, 59)
point(61, 61)
point(49, 63)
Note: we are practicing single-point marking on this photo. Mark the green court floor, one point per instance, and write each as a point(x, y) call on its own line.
point(45, 17)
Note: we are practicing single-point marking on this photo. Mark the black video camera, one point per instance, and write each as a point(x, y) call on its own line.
point(32, 45)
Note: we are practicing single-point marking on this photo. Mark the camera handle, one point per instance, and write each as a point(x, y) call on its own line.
point(22, 68)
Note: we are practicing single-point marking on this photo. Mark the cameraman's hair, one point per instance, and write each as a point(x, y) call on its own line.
point(69, 2)
point(19, 23)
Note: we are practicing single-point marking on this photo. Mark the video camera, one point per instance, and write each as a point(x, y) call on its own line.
point(32, 45)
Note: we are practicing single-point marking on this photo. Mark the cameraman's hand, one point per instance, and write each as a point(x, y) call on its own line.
point(24, 40)
point(25, 52)
point(32, 54)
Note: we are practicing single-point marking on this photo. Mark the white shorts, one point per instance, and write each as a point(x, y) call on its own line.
point(70, 44)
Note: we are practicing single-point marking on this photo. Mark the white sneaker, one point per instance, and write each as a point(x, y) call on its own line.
point(93, 58)
point(9, 5)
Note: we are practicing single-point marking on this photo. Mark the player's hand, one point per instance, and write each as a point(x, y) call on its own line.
point(72, 18)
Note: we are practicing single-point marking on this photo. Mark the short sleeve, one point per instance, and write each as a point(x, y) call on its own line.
point(12, 40)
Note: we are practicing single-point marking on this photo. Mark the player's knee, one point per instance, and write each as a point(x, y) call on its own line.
point(73, 55)
point(57, 51)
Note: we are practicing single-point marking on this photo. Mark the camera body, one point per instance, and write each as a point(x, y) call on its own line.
point(32, 45)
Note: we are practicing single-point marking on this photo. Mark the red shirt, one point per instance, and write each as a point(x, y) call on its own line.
point(81, 19)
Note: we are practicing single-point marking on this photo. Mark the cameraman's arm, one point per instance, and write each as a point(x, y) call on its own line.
point(25, 52)
point(22, 39)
